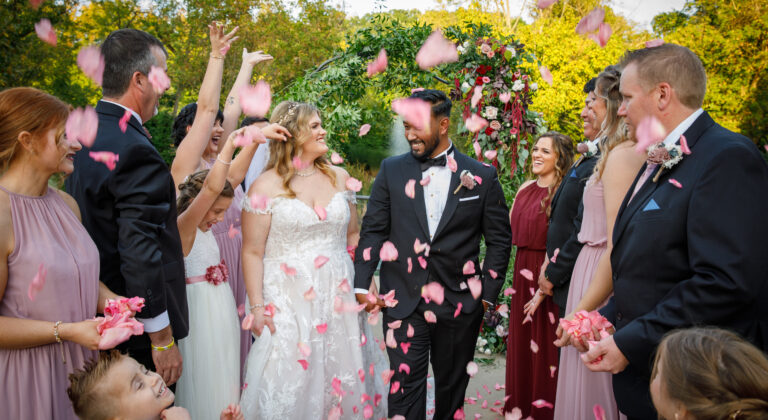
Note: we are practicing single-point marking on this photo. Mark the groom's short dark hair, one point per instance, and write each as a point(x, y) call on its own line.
point(125, 52)
point(441, 105)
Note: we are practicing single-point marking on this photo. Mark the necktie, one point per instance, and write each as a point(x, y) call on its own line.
point(649, 168)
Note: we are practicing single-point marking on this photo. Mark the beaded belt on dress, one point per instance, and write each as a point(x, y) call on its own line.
point(215, 274)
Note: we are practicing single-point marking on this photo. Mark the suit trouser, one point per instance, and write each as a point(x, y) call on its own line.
point(449, 343)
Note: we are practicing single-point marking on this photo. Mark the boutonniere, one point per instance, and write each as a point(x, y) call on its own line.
point(587, 149)
point(667, 155)
point(468, 181)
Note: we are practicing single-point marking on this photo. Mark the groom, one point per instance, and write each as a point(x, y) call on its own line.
point(451, 217)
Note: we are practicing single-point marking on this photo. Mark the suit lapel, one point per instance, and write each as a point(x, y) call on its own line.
point(412, 170)
point(116, 111)
point(453, 199)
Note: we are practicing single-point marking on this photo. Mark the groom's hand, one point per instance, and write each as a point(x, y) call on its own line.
point(370, 306)
point(605, 356)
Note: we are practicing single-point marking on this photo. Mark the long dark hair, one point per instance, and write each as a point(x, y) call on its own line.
point(562, 146)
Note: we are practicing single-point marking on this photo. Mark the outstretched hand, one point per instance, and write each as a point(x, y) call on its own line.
point(255, 57)
point(533, 304)
point(276, 132)
point(220, 42)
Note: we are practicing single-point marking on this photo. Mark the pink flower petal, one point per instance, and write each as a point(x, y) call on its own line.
point(554, 255)
point(684, 145)
point(515, 414)
point(534, 347)
point(471, 369)
point(353, 184)
point(458, 309)
point(256, 100)
point(158, 79)
point(478, 179)
point(241, 310)
point(37, 282)
point(111, 337)
point(289, 271)
point(320, 210)
point(394, 387)
point(430, 317)
point(436, 50)
point(336, 159)
point(459, 414)
point(433, 291)
point(527, 319)
point(414, 111)
point(388, 252)
point(320, 261)
point(367, 411)
point(551, 318)
point(409, 332)
point(490, 154)
point(528, 274)
point(389, 339)
point(546, 74)
point(404, 368)
point(591, 21)
point(504, 98)
point(336, 385)
point(364, 129)
point(91, 62)
point(451, 163)
point(232, 232)
point(475, 286)
point(389, 299)
point(334, 413)
point(321, 328)
point(108, 158)
point(675, 182)
point(599, 412)
point(367, 254)
point(259, 202)
point(422, 262)
point(410, 265)
point(493, 273)
point(395, 324)
point(542, 403)
point(604, 34)
point(361, 375)
point(379, 64)
point(82, 125)
point(304, 364)
point(469, 268)
point(654, 43)
point(477, 148)
point(648, 132)
point(310, 294)
point(477, 95)
point(509, 291)
point(425, 181)
point(123, 123)
point(552, 370)
point(418, 246)
point(305, 349)
point(386, 376)
point(410, 188)
point(45, 32)
point(345, 288)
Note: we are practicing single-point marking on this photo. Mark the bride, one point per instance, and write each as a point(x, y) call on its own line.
point(314, 355)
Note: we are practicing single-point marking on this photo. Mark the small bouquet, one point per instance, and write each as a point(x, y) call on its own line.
point(119, 323)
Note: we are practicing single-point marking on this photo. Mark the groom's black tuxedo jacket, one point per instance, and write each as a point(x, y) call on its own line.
point(130, 213)
point(696, 255)
point(468, 215)
point(564, 226)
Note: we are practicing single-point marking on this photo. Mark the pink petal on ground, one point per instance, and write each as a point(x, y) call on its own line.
point(305, 349)
point(364, 129)
point(543, 4)
point(414, 111)
point(451, 163)
point(471, 369)
point(45, 32)
point(475, 286)
point(591, 21)
point(490, 154)
point(289, 271)
point(554, 255)
point(410, 188)
point(477, 95)
point(367, 254)
point(232, 232)
point(654, 43)
point(469, 268)
point(159, 79)
point(546, 74)
point(82, 125)
point(336, 159)
point(379, 64)
point(409, 332)
point(320, 261)
point(684, 145)
point(433, 291)
point(310, 294)
point(528, 274)
point(534, 347)
point(91, 62)
point(123, 123)
point(404, 368)
point(241, 310)
point(604, 34)
point(248, 322)
point(304, 364)
point(320, 210)
point(108, 158)
point(388, 252)
point(322, 328)
point(542, 403)
point(648, 132)
point(436, 50)
point(37, 282)
point(458, 309)
point(256, 100)
point(493, 273)
point(425, 181)
point(353, 184)
point(430, 317)
point(675, 182)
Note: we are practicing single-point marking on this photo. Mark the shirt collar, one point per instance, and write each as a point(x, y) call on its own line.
point(445, 152)
point(138, 118)
point(675, 134)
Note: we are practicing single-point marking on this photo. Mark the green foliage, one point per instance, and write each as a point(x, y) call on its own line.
point(160, 127)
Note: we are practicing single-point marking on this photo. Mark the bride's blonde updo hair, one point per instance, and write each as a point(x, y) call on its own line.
point(294, 116)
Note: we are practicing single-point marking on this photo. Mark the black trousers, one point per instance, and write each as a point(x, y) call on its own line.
point(449, 344)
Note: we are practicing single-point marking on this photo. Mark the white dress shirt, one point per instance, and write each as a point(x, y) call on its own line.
point(436, 192)
point(138, 118)
point(675, 134)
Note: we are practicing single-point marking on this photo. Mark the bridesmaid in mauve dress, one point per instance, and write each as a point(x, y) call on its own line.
point(40, 230)
point(528, 375)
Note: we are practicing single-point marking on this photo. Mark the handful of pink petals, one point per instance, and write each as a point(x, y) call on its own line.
point(118, 323)
point(584, 325)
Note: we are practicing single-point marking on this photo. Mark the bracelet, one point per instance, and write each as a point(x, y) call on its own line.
point(164, 348)
point(256, 306)
point(226, 163)
point(56, 331)
point(218, 57)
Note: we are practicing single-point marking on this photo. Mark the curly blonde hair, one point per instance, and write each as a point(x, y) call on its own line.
point(294, 116)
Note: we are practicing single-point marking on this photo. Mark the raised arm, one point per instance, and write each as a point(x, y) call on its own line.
point(191, 149)
point(242, 161)
point(232, 108)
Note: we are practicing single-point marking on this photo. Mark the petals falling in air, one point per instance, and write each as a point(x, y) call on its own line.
point(256, 100)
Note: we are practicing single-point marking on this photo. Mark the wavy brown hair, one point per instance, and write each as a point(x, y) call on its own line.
point(190, 188)
point(614, 129)
point(294, 116)
point(715, 374)
point(562, 146)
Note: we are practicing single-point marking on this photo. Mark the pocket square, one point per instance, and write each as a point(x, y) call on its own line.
point(651, 206)
point(474, 197)
point(573, 174)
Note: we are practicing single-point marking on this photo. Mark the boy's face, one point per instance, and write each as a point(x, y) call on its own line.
point(141, 394)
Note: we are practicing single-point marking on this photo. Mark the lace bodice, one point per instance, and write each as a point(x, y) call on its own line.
point(204, 253)
point(296, 230)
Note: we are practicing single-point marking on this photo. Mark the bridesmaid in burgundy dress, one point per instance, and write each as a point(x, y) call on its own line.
point(45, 331)
point(529, 377)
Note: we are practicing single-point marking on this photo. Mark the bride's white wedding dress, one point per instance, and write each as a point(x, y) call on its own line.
point(315, 361)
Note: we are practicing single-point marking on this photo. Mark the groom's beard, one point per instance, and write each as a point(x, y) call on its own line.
point(429, 147)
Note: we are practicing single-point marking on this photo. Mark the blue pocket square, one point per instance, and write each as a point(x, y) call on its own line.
point(573, 174)
point(651, 206)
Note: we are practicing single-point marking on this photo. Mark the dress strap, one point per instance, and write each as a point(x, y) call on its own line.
point(247, 206)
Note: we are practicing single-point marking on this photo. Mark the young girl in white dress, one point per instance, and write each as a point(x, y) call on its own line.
point(211, 352)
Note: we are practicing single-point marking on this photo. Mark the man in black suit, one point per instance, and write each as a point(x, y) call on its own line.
point(130, 212)
point(452, 220)
point(690, 244)
point(565, 215)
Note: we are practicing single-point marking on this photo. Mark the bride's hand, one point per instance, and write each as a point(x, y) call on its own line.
point(260, 320)
point(370, 307)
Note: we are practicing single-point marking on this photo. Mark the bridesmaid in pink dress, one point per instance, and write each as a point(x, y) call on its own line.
point(528, 375)
point(45, 331)
point(578, 388)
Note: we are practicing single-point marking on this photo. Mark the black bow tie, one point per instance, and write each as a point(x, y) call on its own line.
point(437, 161)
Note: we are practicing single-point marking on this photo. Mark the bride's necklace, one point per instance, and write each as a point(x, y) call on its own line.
point(306, 174)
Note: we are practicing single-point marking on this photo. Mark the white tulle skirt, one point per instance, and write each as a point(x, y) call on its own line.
point(210, 379)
